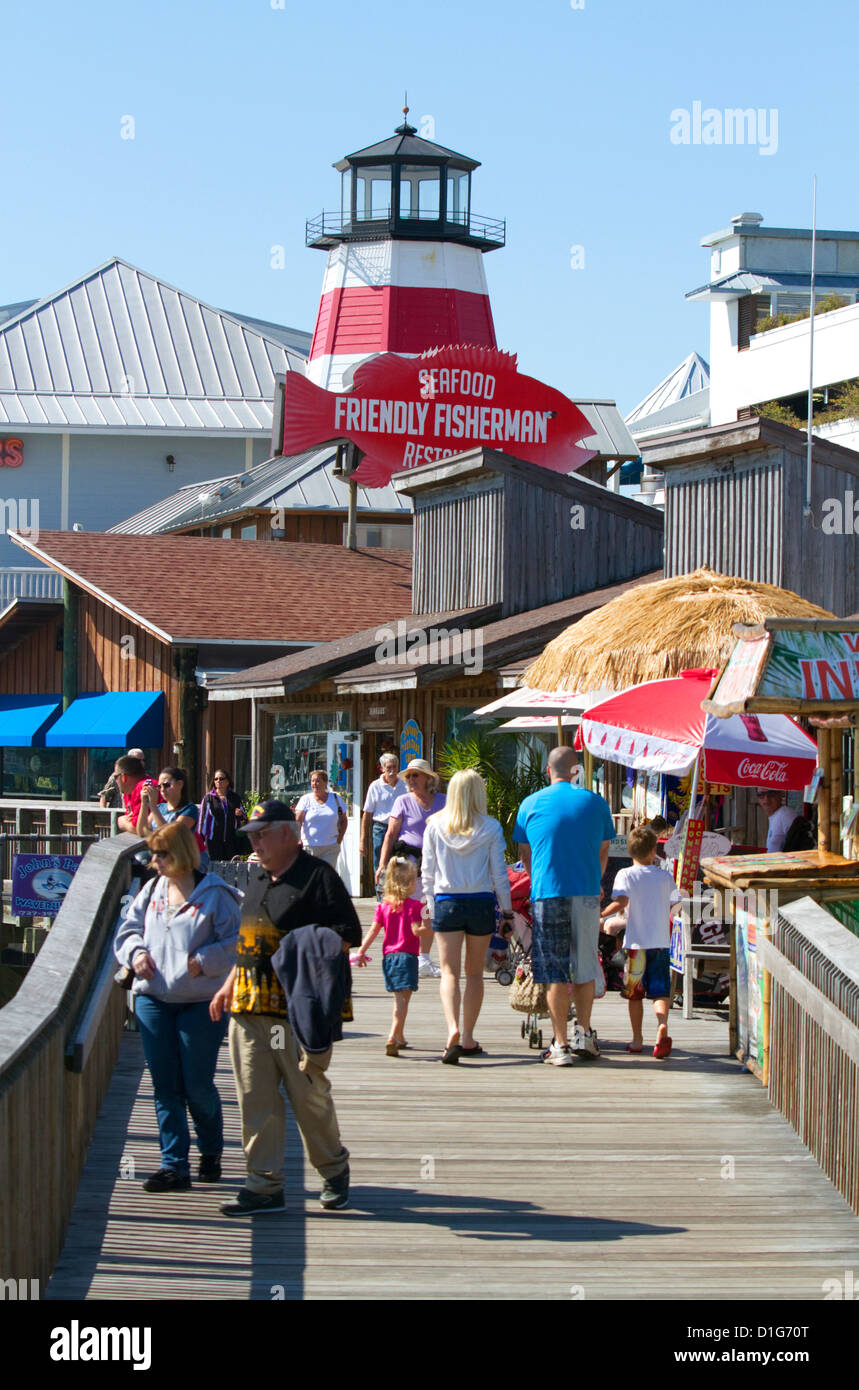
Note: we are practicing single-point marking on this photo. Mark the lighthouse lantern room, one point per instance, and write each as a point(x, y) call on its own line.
point(405, 269)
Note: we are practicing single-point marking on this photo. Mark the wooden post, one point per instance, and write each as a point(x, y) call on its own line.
point(823, 798)
point(185, 661)
point(854, 844)
point(69, 791)
point(836, 792)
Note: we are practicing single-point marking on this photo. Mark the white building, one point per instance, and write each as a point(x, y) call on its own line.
point(114, 392)
point(758, 273)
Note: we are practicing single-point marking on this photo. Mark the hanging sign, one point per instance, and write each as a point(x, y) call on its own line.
point(40, 883)
point(402, 412)
point(411, 742)
point(690, 855)
point(797, 667)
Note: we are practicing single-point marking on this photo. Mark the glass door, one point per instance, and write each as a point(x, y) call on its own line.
point(344, 777)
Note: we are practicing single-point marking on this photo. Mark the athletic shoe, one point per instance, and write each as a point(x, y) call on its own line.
point(586, 1046)
point(427, 969)
point(248, 1203)
point(335, 1193)
point(167, 1180)
point(559, 1055)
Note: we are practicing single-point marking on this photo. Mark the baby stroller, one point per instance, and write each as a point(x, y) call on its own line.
point(505, 953)
point(526, 997)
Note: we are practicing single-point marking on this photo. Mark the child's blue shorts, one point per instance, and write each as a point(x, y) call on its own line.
point(400, 969)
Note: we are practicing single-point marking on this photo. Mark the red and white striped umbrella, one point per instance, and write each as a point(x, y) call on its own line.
point(659, 726)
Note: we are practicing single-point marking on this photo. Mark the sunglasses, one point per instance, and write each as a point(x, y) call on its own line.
point(162, 785)
point(161, 854)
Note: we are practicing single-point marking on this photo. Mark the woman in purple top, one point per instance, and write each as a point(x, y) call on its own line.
point(405, 835)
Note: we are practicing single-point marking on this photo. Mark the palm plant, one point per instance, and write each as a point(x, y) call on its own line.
point(508, 779)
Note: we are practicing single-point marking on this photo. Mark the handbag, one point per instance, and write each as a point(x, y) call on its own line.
point(525, 994)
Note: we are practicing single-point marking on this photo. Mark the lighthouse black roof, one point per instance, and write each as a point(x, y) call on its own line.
point(405, 143)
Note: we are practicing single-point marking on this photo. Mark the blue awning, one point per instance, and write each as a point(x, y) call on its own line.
point(127, 719)
point(24, 719)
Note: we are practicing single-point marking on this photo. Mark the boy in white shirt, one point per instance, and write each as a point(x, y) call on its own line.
point(646, 891)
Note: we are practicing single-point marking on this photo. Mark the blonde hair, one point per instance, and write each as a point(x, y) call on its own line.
point(466, 800)
point(179, 842)
point(401, 877)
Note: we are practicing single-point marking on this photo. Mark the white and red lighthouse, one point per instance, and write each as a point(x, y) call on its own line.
point(405, 258)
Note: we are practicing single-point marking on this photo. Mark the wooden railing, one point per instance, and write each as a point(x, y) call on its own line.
point(59, 1040)
point(41, 827)
point(813, 985)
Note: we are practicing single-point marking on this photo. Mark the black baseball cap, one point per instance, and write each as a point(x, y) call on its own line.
point(267, 813)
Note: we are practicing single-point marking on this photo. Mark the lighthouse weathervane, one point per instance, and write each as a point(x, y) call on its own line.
point(404, 361)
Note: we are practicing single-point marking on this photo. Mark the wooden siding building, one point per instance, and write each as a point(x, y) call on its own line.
point(164, 616)
point(489, 528)
point(735, 500)
point(506, 554)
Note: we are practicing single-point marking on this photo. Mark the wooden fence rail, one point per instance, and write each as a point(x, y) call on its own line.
point(813, 964)
point(48, 1110)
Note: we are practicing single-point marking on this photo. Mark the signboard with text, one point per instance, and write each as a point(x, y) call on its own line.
point(11, 453)
point(402, 412)
point(40, 883)
point(793, 668)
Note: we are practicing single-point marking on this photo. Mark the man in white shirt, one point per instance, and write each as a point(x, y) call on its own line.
point(380, 797)
point(781, 817)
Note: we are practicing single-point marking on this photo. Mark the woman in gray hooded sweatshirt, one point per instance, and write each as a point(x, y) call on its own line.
point(463, 872)
point(179, 938)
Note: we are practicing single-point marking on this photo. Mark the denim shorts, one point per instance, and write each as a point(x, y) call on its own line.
point(564, 946)
point(465, 912)
point(400, 969)
point(647, 974)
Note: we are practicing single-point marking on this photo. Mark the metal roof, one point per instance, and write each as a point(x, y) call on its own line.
point(120, 350)
point(611, 439)
point(405, 143)
point(691, 376)
point(743, 282)
point(304, 481)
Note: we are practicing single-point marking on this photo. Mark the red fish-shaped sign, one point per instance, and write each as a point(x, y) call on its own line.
point(402, 412)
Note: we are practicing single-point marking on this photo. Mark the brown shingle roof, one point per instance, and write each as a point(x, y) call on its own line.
point(202, 589)
point(502, 642)
point(298, 670)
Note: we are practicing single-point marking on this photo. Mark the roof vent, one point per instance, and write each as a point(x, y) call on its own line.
point(747, 219)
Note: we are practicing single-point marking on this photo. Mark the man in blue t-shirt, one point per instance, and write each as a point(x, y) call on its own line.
point(563, 833)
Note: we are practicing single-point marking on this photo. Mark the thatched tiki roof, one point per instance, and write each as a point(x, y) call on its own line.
point(658, 630)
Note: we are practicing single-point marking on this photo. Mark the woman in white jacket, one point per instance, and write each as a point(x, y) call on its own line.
point(462, 872)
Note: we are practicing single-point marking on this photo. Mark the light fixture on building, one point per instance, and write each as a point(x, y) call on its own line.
point(171, 462)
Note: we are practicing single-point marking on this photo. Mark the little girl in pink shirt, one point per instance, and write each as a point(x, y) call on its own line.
point(399, 913)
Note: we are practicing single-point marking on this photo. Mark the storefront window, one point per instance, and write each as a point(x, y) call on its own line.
point(300, 743)
point(100, 763)
point(36, 772)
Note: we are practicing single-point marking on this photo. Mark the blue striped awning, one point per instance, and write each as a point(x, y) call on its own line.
point(126, 719)
point(25, 718)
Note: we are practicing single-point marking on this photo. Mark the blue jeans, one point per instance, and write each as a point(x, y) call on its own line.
point(380, 830)
point(180, 1043)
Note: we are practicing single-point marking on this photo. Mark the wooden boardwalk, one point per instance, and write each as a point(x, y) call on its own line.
point(626, 1178)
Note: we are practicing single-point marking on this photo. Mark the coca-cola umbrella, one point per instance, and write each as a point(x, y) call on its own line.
point(659, 726)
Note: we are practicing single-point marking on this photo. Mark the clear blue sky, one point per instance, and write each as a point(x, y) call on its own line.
point(240, 109)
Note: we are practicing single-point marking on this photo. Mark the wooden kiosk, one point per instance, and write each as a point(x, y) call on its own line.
point(809, 668)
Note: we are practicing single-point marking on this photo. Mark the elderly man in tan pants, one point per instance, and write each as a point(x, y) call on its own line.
point(287, 889)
